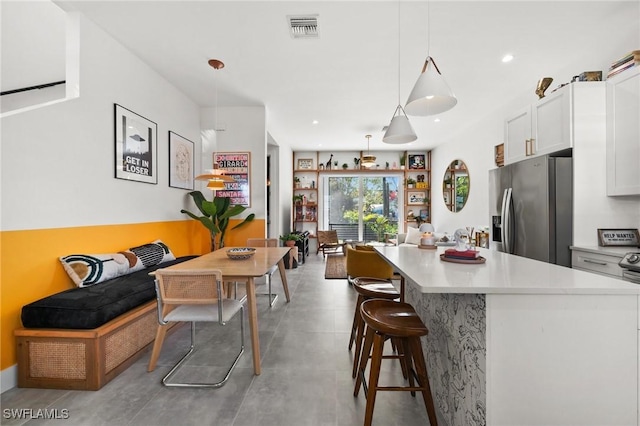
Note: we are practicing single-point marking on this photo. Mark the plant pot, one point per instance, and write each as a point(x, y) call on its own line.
point(290, 243)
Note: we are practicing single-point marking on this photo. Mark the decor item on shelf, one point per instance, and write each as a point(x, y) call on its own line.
point(356, 162)
point(543, 84)
point(305, 163)
point(215, 216)
point(335, 163)
point(411, 182)
point(431, 94)
point(290, 239)
point(368, 160)
point(297, 199)
point(386, 166)
point(345, 166)
point(403, 160)
point(328, 164)
point(590, 76)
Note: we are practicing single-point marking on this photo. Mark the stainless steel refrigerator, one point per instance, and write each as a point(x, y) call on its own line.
point(531, 207)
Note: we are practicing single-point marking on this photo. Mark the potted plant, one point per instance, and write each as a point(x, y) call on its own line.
point(296, 182)
point(345, 166)
point(403, 159)
point(290, 239)
point(297, 199)
point(411, 182)
point(215, 216)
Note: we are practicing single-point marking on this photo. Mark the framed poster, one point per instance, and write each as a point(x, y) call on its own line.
point(180, 162)
point(305, 163)
point(136, 143)
point(238, 166)
point(416, 161)
point(424, 214)
point(618, 237)
point(416, 197)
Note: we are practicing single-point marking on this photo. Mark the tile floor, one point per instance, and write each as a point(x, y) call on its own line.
point(305, 380)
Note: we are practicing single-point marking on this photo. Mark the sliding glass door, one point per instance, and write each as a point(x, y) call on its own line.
point(361, 208)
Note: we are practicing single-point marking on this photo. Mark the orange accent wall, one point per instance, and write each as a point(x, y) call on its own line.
point(30, 269)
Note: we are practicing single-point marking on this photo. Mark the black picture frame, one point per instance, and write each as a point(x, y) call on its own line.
point(136, 145)
point(416, 161)
point(181, 160)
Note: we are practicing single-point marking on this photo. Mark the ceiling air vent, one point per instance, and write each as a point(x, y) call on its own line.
point(304, 26)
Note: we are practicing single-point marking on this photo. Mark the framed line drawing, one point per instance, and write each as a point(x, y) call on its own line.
point(238, 166)
point(180, 161)
point(136, 143)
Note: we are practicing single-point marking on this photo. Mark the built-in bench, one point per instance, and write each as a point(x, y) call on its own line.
point(84, 337)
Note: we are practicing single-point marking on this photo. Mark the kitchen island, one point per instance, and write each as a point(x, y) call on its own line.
point(515, 341)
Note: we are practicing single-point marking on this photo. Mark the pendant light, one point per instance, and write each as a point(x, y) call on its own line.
point(368, 160)
point(431, 94)
point(399, 130)
point(216, 176)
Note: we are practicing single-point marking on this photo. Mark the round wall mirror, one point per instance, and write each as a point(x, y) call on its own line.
point(455, 185)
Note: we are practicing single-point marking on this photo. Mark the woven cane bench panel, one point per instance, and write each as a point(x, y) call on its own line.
point(57, 360)
point(120, 345)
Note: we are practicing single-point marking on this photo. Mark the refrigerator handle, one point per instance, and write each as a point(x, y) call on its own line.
point(503, 221)
point(507, 214)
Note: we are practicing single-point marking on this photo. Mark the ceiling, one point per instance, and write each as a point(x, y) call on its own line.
point(350, 78)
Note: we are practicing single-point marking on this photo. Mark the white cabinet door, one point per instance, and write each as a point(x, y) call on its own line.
point(551, 123)
point(623, 133)
point(517, 136)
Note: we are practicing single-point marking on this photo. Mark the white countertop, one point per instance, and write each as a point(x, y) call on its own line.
point(502, 273)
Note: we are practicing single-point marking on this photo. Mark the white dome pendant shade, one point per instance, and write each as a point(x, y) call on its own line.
point(431, 94)
point(400, 130)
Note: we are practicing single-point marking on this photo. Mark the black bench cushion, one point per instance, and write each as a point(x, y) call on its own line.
point(90, 307)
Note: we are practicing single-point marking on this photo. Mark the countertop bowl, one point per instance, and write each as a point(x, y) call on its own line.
point(240, 253)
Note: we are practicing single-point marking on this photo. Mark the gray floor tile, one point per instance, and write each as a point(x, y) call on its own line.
point(305, 380)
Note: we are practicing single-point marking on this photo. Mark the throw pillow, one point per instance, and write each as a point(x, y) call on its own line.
point(362, 247)
point(413, 236)
point(89, 269)
point(148, 255)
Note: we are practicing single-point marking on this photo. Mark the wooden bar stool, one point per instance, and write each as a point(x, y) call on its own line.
point(387, 319)
point(367, 288)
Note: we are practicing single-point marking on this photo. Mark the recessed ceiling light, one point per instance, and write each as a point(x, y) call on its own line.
point(315, 122)
point(437, 120)
point(507, 58)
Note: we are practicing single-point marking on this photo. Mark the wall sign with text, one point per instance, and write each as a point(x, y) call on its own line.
point(238, 166)
point(618, 237)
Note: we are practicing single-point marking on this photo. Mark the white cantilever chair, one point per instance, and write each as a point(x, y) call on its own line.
point(191, 296)
point(266, 242)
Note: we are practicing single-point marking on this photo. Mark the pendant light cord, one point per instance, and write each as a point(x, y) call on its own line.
point(428, 31)
point(398, 52)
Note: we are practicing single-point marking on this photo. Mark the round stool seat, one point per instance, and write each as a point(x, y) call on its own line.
point(375, 288)
point(392, 318)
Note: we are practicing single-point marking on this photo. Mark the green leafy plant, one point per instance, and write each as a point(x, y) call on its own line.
point(411, 181)
point(297, 199)
point(345, 166)
point(290, 237)
point(215, 216)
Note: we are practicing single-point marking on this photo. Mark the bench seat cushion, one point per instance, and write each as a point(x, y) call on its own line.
point(90, 307)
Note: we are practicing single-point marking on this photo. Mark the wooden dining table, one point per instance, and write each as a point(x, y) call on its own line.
point(246, 270)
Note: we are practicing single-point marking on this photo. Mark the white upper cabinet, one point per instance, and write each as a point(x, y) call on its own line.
point(549, 125)
point(623, 133)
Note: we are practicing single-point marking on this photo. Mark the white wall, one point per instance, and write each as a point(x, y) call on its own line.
point(241, 129)
point(58, 160)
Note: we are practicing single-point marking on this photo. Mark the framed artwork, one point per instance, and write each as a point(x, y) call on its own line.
point(238, 166)
point(136, 144)
point(180, 162)
point(305, 164)
point(618, 237)
point(424, 214)
point(416, 161)
point(416, 197)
